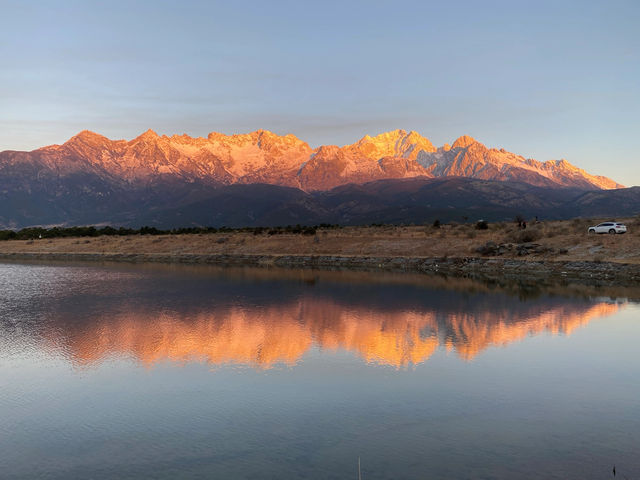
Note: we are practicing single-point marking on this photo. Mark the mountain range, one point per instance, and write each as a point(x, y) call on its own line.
point(262, 178)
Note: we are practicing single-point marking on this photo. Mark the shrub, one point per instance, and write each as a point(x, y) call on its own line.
point(523, 236)
point(7, 235)
point(482, 225)
point(530, 235)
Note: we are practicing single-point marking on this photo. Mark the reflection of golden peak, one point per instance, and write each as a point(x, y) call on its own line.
point(231, 338)
point(479, 335)
point(263, 337)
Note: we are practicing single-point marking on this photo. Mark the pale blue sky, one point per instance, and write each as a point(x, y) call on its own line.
point(545, 79)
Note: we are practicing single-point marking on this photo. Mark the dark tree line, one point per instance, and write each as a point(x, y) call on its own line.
point(33, 233)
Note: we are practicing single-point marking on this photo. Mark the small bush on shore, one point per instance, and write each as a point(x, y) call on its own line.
point(524, 236)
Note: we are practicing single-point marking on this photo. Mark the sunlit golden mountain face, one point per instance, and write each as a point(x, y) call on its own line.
point(264, 157)
point(262, 178)
point(263, 336)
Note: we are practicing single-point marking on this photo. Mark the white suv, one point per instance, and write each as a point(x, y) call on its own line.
point(609, 227)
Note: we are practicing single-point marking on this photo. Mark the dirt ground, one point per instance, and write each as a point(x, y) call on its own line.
point(557, 240)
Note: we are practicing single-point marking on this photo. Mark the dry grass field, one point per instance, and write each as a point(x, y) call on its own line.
point(555, 240)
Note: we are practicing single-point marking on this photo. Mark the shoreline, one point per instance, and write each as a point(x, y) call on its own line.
point(546, 271)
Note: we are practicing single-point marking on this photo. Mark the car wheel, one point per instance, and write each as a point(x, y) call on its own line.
point(591, 231)
point(612, 231)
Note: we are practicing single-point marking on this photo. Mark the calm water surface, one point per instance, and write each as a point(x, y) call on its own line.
point(175, 372)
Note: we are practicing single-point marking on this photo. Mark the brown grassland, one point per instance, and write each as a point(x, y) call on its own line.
point(559, 240)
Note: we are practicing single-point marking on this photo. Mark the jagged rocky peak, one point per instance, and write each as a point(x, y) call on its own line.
point(146, 136)
point(326, 151)
point(267, 140)
point(393, 137)
point(395, 143)
point(182, 138)
point(216, 136)
point(264, 139)
point(87, 137)
point(86, 144)
point(464, 141)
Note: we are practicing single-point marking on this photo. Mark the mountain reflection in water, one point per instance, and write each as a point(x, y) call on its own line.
point(266, 317)
point(164, 372)
point(265, 335)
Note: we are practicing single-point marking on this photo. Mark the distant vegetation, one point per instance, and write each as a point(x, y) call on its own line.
point(565, 240)
point(515, 231)
point(32, 233)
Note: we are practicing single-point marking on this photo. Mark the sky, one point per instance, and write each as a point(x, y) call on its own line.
point(543, 79)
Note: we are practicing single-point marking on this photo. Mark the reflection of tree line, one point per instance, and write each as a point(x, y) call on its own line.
point(262, 336)
point(524, 288)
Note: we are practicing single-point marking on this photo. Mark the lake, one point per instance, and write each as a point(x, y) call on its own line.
point(169, 372)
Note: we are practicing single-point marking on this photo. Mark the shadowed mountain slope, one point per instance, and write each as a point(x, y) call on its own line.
point(417, 200)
